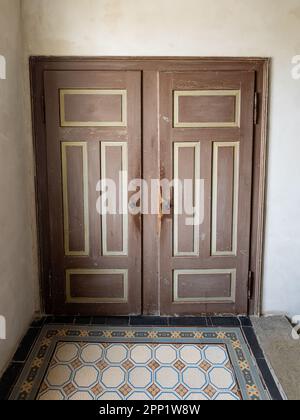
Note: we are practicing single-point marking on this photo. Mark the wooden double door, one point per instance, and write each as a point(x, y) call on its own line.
point(130, 124)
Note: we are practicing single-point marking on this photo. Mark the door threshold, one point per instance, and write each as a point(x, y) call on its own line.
point(134, 321)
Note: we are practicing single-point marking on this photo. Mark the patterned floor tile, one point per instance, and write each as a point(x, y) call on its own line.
point(162, 364)
point(160, 370)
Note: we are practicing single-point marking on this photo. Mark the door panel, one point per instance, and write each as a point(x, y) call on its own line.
point(93, 127)
point(114, 160)
point(225, 198)
point(75, 198)
point(206, 131)
point(186, 165)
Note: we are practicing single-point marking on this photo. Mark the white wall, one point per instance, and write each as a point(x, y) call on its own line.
point(204, 28)
point(16, 245)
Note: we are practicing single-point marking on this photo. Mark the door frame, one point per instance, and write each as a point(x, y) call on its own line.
point(150, 68)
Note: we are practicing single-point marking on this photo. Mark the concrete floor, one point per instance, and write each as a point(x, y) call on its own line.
point(281, 351)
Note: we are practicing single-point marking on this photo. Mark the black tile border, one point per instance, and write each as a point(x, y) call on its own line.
point(10, 377)
point(136, 321)
point(269, 380)
point(38, 322)
point(262, 364)
point(253, 342)
point(245, 321)
point(226, 321)
point(82, 320)
point(98, 320)
point(118, 321)
point(188, 321)
point(59, 320)
point(26, 345)
point(201, 321)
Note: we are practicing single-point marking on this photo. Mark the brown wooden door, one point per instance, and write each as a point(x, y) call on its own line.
point(199, 125)
point(206, 131)
point(93, 131)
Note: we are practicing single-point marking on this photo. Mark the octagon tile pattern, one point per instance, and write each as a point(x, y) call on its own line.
point(142, 371)
point(140, 364)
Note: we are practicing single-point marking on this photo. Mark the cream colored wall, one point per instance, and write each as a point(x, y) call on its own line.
point(203, 28)
point(16, 245)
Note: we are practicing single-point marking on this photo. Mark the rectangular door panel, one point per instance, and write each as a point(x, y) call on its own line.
point(186, 167)
point(75, 198)
point(206, 137)
point(93, 108)
point(225, 197)
point(97, 286)
point(114, 167)
point(93, 126)
point(207, 108)
point(200, 286)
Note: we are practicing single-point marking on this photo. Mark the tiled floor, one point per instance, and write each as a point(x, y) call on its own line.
point(73, 366)
point(139, 372)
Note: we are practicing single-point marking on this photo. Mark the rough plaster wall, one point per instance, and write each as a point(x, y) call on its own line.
point(16, 274)
point(203, 28)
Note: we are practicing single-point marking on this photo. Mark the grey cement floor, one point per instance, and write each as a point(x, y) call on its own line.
point(281, 351)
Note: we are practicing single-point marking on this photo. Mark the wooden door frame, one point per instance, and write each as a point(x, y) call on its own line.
point(150, 68)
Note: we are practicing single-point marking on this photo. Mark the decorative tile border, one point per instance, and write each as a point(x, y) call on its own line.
point(246, 371)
